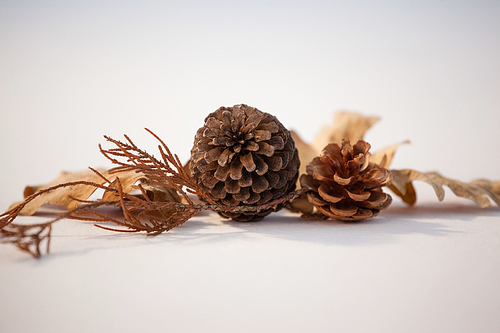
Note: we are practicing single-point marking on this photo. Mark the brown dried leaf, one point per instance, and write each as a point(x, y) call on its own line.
point(306, 152)
point(384, 157)
point(348, 125)
point(301, 205)
point(163, 194)
point(402, 187)
point(480, 191)
point(71, 196)
point(345, 125)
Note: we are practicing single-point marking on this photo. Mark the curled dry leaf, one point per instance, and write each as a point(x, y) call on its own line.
point(346, 125)
point(478, 191)
point(306, 152)
point(384, 156)
point(72, 196)
point(162, 194)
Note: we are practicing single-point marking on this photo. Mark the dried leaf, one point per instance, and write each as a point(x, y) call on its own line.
point(480, 191)
point(408, 195)
point(346, 125)
point(71, 196)
point(384, 157)
point(301, 205)
point(306, 152)
point(163, 194)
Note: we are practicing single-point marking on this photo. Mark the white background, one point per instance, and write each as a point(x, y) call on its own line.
point(71, 72)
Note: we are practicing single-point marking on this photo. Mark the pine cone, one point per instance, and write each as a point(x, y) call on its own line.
point(243, 156)
point(345, 185)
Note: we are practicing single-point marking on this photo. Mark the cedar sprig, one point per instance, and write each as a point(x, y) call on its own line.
point(10, 215)
point(167, 173)
point(28, 237)
point(140, 213)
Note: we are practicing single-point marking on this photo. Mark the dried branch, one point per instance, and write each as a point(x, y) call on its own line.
point(167, 173)
point(27, 238)
point(10, 215)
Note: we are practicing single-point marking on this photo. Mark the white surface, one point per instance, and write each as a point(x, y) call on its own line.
point(72, 72)
point(434, 268)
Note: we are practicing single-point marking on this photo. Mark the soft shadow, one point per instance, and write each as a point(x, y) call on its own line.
point(378, 230)
point(70, 237)
point(398, 220)
point(443, 210)
point(207, 227)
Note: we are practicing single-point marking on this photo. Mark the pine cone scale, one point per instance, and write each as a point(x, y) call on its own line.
point(270, 127)
point(248, 162)
point(259, 184)
point(231, 186)
point(219, 191)
point(277, 142)
point(358, 196)
point(236, 169)
point(262, 135)
point(377, 199)
point(260, 166)
point(252, 146)
point(330, 194)
point(341, 210)
point(245, 180)
point(221, 173)
point(343, 181)
point(275, 163)
point(272, 178)
point(265, 149)
point(209, 181)
point(242, 195)
point(213, 154)
point(316, 200)
point(253, 120)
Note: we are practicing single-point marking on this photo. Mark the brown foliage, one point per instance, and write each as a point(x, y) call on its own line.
point(165, 188)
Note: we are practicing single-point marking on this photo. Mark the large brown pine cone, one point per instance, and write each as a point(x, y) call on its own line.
point(243, 156)
point(345, 185)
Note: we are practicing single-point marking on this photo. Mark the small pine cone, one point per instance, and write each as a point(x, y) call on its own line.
point(244, 157)
point(344, 184)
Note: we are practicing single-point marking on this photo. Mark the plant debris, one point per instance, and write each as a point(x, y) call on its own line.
point(155, 195)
